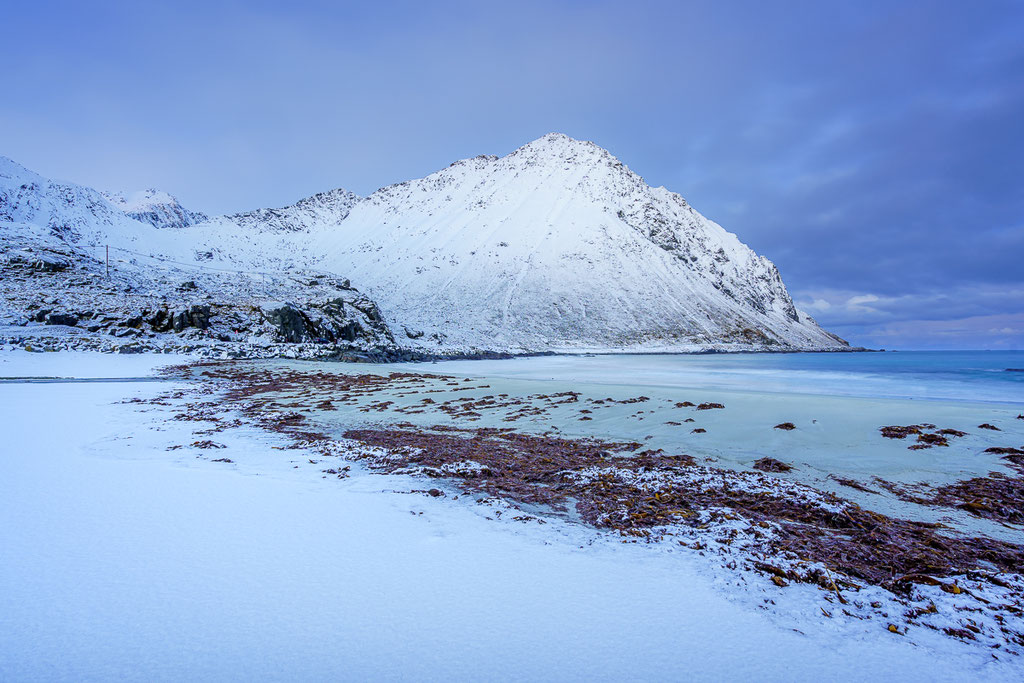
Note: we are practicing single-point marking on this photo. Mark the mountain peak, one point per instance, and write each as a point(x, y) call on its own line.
point(156, 207)
point(559, 142)
point(559, 147)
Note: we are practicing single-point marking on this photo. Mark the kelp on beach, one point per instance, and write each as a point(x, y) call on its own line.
point(795, 532)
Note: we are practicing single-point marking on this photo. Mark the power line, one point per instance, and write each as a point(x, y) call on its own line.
point(163, 259)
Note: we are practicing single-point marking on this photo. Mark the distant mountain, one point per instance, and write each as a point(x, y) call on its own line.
point(556, 246)
point(157, 208)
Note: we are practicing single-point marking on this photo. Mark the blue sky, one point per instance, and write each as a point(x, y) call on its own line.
point(873, 150)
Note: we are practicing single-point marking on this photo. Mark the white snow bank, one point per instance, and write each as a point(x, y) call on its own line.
point(19, 363)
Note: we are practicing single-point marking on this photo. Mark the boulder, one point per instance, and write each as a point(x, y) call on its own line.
point(61, 319)
point(196, 316)
point(292, 324)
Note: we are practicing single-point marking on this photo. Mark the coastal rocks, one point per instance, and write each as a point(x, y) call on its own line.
point(45, 291)
point(61, 319)
point(195, 316)
point(292, 325)
point(49, 263)
point(900, 432)
point(336, 320)
point(785, 426)
point(164, 320)
point(771, 465)
point(928, 435)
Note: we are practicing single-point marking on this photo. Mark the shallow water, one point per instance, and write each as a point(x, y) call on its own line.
point(837, 402)
point(958, 375)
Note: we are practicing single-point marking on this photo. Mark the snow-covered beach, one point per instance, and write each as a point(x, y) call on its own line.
point(133, 552)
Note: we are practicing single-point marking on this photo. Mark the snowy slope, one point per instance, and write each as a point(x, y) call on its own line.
point(559, 246)
point(65, 211)
point(322, 210)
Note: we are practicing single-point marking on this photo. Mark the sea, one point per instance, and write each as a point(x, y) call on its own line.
point(837, 404)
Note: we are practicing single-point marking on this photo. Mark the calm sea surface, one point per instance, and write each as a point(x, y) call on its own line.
point(945, 375)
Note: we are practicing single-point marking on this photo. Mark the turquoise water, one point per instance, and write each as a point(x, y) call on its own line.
point(976, 376)
point(837, 402)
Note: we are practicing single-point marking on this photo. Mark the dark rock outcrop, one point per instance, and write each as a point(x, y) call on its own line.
point(61, 319)
point(336, 320)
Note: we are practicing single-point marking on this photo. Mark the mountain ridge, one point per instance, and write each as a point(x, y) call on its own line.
point(556, 246)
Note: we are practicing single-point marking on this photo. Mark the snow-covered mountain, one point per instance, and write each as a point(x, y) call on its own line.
point(560, 246)
point(65, 210)
point(155, 207)
point(556, 246)
point(222, 286)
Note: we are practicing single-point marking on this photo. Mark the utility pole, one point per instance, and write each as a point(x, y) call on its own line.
point(108, 261)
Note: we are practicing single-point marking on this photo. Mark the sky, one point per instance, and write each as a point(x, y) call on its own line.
point(873, 150)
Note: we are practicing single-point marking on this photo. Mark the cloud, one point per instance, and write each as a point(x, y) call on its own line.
point(962, 317)
point(994, 332)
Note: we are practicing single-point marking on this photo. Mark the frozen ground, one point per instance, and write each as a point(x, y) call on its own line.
point(125, 560)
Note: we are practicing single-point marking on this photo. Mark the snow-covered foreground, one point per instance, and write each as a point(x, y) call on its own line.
point(125, 560)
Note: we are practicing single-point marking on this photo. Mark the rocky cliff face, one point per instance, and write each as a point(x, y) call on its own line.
point(55, 297)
